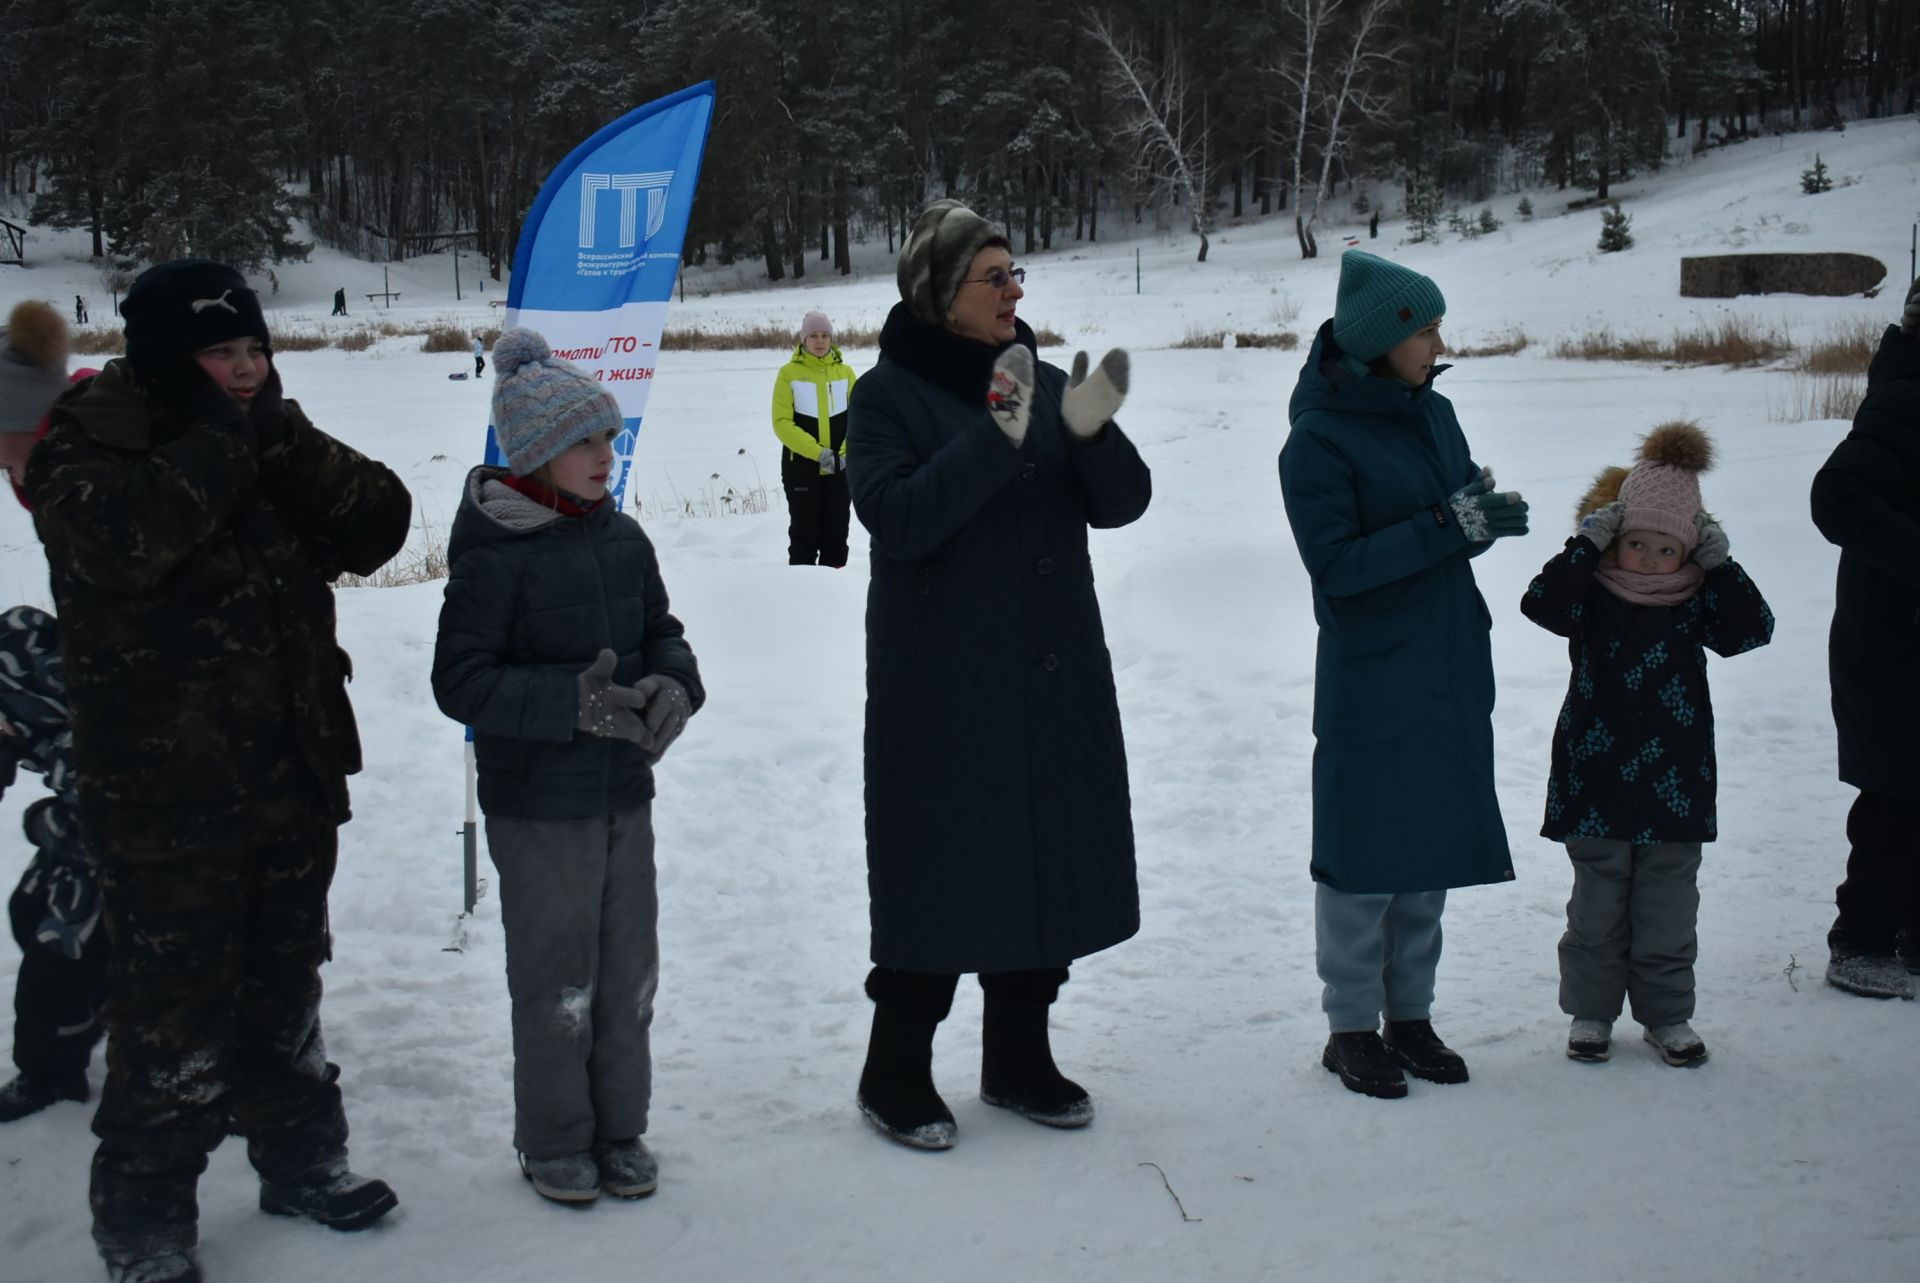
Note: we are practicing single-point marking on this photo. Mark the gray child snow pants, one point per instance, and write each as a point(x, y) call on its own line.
point(1375, 954)
point(1631, 931)
point(580, 908)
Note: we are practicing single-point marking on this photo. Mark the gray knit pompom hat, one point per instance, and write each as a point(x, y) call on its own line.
point(937, 254)
point(33, 365)
point(543, 405)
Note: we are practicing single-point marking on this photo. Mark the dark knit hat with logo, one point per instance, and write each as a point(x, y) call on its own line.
point(175, 309)
point(543, 405)
point(1381, 304)
point(938, 252)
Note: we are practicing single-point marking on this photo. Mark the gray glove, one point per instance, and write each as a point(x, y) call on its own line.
point(1711, 552)
point(830, 462)
point(1910, 315)
point(1484, 513)
point(1602, 525)
point(607, 710)
point(666, 713)
point(1090, 402)
point(1010, 392)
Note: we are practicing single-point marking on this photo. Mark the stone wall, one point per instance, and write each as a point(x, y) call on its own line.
point(1730, 275)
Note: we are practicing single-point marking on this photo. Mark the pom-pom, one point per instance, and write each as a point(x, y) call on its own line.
point(1605, 489)
point(518, 347)
point(1678, 443)
point(38, 334)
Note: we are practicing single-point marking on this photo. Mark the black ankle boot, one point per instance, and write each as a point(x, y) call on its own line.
point(1362, 1062)
point(896, 1086)
point(31, 1093)
point(1017, 1070)
point(1418, 1050)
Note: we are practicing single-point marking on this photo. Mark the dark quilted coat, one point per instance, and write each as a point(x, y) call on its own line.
point(999, 828)
point(526, 611)
point(1403, 796)
point(1633, 749)
point(1867, 500)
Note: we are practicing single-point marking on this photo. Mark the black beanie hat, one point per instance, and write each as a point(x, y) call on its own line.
point(175, 309)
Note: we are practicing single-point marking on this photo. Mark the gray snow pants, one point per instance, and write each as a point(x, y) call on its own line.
point(1376, 953)
point(581, 910)
point(1631, 931)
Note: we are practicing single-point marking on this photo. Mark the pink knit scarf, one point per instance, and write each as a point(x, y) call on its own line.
point(1652, 590)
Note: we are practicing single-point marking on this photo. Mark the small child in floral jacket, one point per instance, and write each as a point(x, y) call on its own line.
point(1642, 591)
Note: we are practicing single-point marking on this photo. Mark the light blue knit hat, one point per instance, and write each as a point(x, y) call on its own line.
point(541, 404)
point(1380, 304)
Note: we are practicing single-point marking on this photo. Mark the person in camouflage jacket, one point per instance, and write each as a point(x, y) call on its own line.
point(194, 520)
point(55, 911)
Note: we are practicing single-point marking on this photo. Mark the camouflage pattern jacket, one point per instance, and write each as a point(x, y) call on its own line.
point(193, 581)
point(61, 892)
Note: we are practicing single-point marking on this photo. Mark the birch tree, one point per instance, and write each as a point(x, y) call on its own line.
point(1154, 123)
point(1332, 82)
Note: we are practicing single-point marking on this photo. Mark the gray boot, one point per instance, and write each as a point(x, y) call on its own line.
point(571, 1178)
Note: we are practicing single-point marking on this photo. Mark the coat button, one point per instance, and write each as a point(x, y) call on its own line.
point(1044, 566)
point(1049, 661)
point(1029, 472)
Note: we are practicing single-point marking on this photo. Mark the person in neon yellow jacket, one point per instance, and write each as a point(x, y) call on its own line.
point(810, 418)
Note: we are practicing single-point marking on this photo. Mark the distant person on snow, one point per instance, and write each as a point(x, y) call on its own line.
point(1388, 509)
point(79, 310)
point(479, 356)
point(55, 911)
point(1866, 499)
point(810, 396)
point(340, 301)
point(1643, 590)
point(194, 521)
point(557, 647)
point(999, 826)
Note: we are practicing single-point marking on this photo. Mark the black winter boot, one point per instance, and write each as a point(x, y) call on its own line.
point(896, 1086)
point(1418, 1050)
point(31, 1093)
point(337, 1198)
point(1364, 1065)
point(1016, 1065)
point(169, 1267)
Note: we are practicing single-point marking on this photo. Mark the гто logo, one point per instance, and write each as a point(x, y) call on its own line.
point(629, 186)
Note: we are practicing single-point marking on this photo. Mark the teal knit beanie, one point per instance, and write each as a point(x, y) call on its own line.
point(541, 404)
point(1380, 304)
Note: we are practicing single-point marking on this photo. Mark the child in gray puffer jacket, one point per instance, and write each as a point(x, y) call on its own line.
point(557, 647)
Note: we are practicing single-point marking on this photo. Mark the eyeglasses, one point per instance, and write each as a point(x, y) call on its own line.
point(999, 278)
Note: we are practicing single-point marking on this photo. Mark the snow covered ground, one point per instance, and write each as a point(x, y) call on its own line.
point(1789, 1156)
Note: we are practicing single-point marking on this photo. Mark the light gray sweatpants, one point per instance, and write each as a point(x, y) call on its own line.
point(580, 908)
point(1631, 930)
point(1376, 953)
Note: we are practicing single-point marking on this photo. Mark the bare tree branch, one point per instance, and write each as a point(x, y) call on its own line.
point(1153, 104)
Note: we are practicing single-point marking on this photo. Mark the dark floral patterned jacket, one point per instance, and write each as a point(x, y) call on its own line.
point(1633, 750)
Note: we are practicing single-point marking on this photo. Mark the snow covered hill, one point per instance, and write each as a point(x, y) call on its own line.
point(1789, 1156)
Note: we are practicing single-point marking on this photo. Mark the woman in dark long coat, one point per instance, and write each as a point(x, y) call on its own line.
point(999, 833)
point(1387, 507)
point(1866, 499)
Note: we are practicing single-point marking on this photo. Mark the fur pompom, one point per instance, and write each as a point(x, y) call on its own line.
point(1604, 490)
point(38, 333)
point(1678, 443)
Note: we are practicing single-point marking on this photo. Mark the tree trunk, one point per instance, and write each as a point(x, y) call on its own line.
point(770, 248)
point(842, 237)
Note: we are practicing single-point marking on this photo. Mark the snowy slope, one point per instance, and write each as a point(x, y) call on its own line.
point(1789, 1156)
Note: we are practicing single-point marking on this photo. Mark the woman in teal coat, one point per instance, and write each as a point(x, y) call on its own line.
point(1387, 507)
